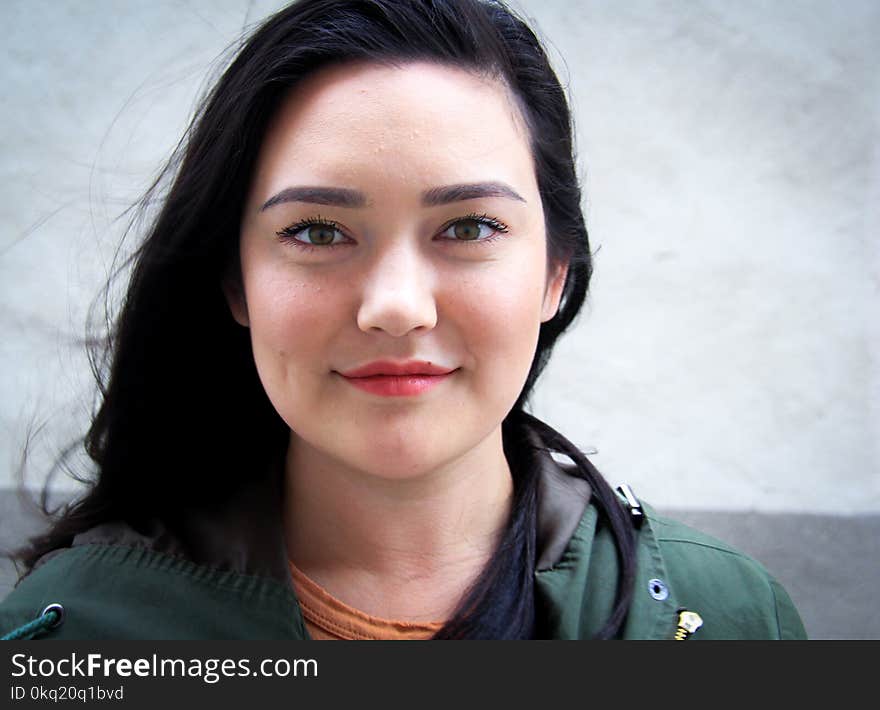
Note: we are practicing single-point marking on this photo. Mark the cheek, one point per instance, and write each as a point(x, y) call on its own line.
point(502, 318)
point(290, 320)
point(292, 324)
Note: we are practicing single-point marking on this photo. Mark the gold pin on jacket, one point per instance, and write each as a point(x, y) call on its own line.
point(688, 623)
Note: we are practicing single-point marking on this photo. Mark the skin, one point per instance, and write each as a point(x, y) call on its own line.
point(394, 504)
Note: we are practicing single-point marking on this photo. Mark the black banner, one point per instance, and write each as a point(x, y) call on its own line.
point(249, 675)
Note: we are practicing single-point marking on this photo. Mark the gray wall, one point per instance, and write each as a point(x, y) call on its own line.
point(726, 365)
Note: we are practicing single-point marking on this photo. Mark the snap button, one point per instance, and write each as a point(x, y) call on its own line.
point(658, 589)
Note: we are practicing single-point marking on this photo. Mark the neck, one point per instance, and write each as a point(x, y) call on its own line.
point(404, 548)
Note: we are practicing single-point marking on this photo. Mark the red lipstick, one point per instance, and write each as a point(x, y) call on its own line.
point(397, 379)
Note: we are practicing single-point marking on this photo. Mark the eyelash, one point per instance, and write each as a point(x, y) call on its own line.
point(288, 234)
point(497, 225)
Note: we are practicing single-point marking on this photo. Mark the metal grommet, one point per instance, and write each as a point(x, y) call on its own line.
point(658, 589)
point(59, 610)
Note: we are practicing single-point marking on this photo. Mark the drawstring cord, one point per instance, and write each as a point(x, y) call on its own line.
point(49, 618)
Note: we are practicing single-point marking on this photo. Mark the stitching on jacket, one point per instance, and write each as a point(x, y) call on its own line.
point(649, 538)
point(167, 561)
point(272, 591)
point(151, 559)
point(776, 611)
point(698, 543)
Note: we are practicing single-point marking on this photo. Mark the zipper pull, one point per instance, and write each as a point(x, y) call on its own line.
point(688, 623)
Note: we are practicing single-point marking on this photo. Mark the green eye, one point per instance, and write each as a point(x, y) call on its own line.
point(314, 234)
point(321, 234)
point(473, 228)
point(467, 229)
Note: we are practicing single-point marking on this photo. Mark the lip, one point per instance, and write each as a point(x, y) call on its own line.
point(397, 379)
point(389, 367)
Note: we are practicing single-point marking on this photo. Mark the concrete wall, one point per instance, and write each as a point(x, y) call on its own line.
point(730, 153)
point(726, 365)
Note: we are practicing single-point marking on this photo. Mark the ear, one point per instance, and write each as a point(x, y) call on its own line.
point(234, 292)
point(553, 290)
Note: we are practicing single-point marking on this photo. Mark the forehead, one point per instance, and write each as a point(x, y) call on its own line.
point(422, 120)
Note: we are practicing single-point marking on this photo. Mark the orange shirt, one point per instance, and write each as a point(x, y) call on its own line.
point(328, 618)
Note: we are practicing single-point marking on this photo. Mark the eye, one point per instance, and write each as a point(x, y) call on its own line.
point(312, 233)
point(473, 228)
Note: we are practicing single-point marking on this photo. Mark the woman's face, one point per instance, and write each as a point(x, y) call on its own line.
point(394, 215)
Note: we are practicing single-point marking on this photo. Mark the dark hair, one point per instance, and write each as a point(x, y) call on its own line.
point(174, 430)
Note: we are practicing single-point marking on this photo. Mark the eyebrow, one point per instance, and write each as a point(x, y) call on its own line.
point(343, 197)
point(468, 191)
point(338, 196)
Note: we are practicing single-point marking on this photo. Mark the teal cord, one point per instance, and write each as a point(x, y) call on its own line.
point(34, 628)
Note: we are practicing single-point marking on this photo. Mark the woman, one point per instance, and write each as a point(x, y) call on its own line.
point(313, 421)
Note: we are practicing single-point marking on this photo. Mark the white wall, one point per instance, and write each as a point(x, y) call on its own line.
point(728, 355)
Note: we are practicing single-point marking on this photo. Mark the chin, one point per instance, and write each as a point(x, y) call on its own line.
point(393, 459)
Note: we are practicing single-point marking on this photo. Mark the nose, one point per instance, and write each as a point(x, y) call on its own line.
point(397, 293)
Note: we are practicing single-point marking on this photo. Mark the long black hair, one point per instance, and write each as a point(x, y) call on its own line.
point(182, 417)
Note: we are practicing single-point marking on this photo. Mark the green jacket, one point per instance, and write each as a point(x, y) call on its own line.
point(224, 575)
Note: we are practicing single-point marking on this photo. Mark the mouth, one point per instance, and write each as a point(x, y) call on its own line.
point(390, 379)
